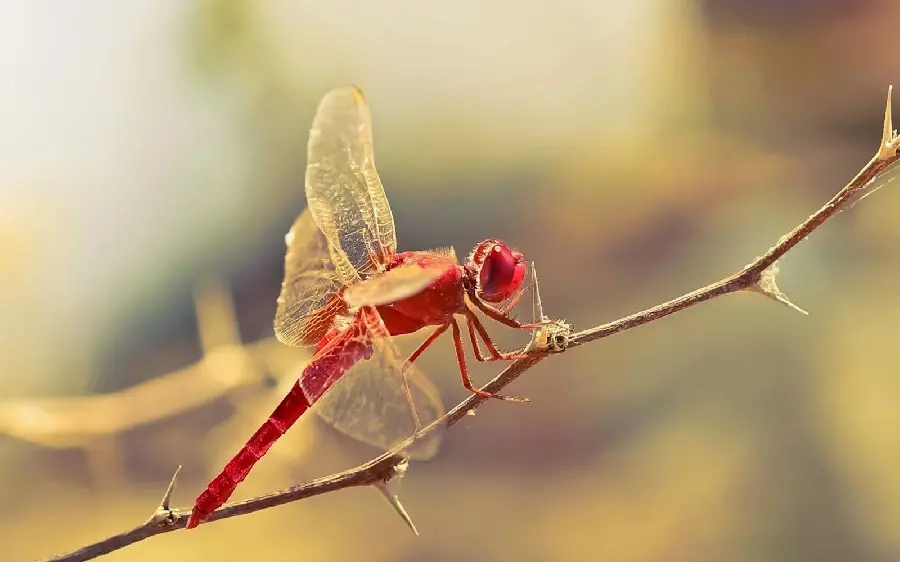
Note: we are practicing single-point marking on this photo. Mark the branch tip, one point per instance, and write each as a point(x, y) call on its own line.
point(394, 501)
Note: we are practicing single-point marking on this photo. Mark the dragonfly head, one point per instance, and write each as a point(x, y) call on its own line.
point(498, 270)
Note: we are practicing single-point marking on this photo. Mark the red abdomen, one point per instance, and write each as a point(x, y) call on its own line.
point(316, 379)
point(222, 486)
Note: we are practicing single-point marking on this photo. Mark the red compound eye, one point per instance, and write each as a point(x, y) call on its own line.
point(501, 270)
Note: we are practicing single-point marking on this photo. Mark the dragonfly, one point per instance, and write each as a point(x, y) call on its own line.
point(347, 291)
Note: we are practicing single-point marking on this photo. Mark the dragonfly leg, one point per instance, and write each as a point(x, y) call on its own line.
point(498, 315)
point(474, 325)
point(476, 347)
point(413, 356)
point(505, 309)
point(464, 371)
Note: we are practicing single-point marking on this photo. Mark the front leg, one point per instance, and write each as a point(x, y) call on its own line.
point(499, 316)
point(474, 325)
point(514, 300)
point(464, 371)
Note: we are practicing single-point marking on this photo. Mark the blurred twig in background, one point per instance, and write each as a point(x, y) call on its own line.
point(758, 276)
point(91, 422)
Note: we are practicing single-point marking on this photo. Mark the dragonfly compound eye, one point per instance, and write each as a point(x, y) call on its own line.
point(502, 271)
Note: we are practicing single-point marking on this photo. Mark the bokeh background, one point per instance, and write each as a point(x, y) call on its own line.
point(151, 161)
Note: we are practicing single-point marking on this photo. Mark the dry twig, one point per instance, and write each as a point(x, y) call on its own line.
point(758, 276)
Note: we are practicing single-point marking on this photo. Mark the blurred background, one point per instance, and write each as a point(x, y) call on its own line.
point(151, 160)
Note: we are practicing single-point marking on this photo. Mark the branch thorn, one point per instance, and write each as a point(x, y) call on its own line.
point(890, 142)
point(767, 287)
point(537, 308)
point(382, 488)
point(551, 335)
point(164, 514)
point(164, 504)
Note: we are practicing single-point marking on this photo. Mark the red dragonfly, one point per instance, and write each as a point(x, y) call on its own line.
point(347, 290)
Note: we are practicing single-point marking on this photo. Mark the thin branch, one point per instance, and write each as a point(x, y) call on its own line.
point(384, 468)
point(166, 519)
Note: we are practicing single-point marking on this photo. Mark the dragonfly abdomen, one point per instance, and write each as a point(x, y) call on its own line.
point(316, 378)
point(222, 486)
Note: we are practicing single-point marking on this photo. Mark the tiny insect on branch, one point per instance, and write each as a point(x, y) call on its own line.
point(758, 276)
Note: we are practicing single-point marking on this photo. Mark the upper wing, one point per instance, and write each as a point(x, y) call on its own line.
point(310, 291)
point(343, 190)
point(392, 285)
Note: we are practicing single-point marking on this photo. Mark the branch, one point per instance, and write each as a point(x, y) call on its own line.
point(758, 276)
point(166, 519)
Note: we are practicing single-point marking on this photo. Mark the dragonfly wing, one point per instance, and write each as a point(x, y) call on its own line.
point(393, 285)
point(310, 291)
point(370, 405)
point(343, 189)
point(369, 402)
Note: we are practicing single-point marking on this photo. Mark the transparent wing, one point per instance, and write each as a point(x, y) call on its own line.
point(393, 285)
point(343, 189)
point(368, 401)
point(369, 404)
point(309, 298)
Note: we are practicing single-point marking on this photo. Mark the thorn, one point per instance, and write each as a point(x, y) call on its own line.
point(164, 504)
point(537, 308)
point(889, 140)
point(550, 335)
point(767, 287)
point(537, 312)
point(381, 488)
point(163, 514)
